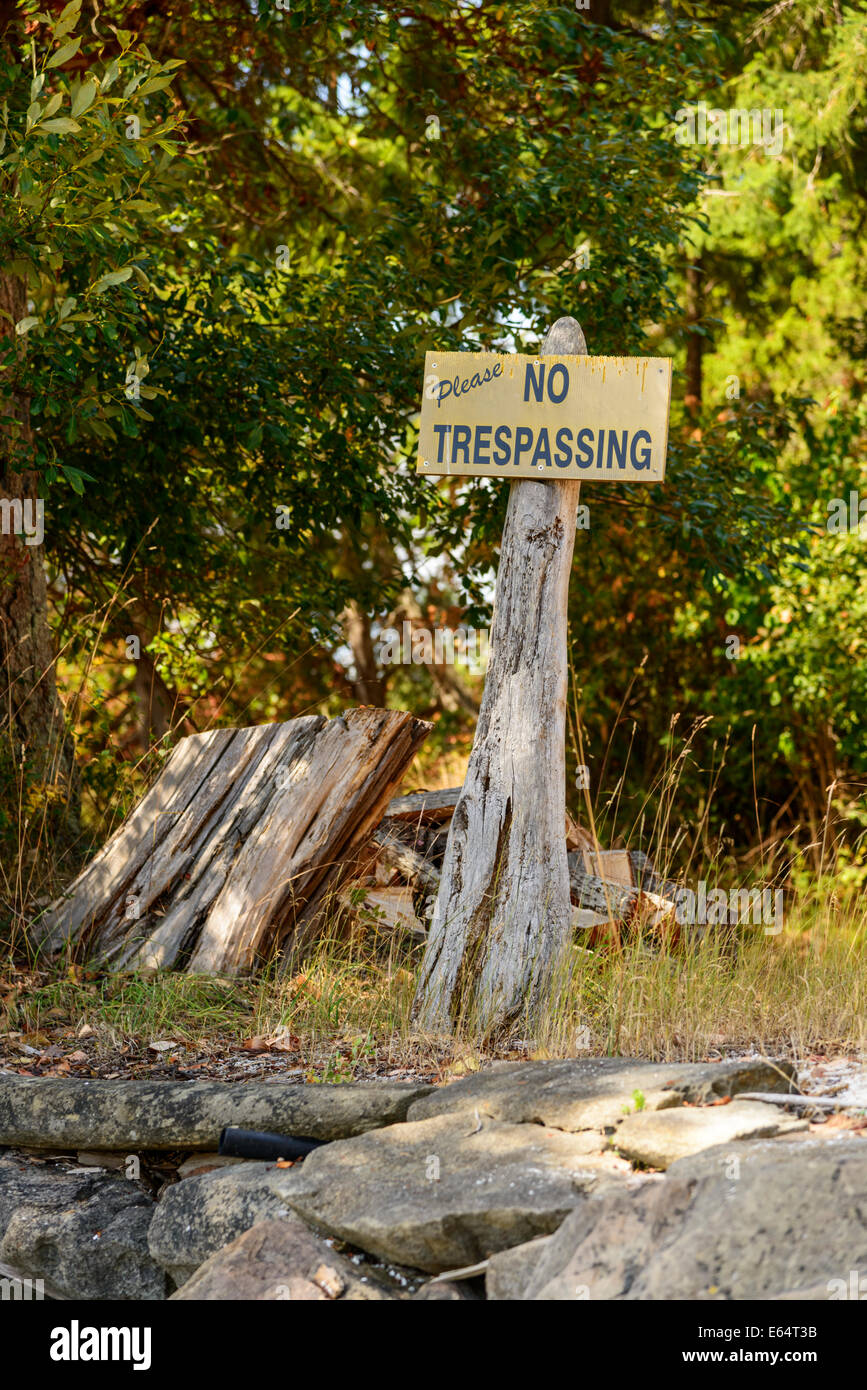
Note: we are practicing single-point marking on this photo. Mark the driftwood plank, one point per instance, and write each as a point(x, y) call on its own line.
point(336, 794)
point(503, 920)
point(262, 753)
point(427, 805)
point(243, 831)
point(386, 765)
point(108, 876)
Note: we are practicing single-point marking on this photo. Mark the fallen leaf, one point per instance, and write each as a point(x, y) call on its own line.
point(161, 1046)
point(77, 1057)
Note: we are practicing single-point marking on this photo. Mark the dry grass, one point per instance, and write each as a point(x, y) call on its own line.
point(348, 1012)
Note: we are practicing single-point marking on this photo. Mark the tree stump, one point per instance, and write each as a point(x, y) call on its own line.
point(503, 917)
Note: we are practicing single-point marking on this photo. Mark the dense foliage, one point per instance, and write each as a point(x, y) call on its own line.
point(242, 227)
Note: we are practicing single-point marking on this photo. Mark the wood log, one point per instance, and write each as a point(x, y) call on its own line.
point(502, 920)
point(388, 909)
point(242, 833)
point(576, 836)
point(437, 805)
point(646, 877)
point(596, 894)
point(802, 1102)
point(601, 895)
point(614, 865)
point(405, 860)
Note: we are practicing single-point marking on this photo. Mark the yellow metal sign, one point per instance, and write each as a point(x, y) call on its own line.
point(488, 415)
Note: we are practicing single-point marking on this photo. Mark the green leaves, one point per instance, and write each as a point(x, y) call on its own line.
point(156, 84)
point(112, 277)
point(69, 17)
point(75, 217)
point(85, 97)
point(64, 54)
point(60, 125)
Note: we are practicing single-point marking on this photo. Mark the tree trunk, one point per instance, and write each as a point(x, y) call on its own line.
point(158, 706)
point(694, 339)
point(32, 730)
point(503, 917)
point(368, 686)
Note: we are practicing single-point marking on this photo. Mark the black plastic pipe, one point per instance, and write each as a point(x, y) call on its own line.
point(253, 1143)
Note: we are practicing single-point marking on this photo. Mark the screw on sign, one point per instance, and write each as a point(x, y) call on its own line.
point(502, 919)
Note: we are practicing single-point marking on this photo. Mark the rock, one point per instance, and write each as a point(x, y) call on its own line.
point(281, 1259)
point(593, 1092)
point(136, 1115)
point(100, 1159)
point(756, 1219)
point(496, 1187)
point(659, 1137)
point(509, 1273)
point(444, 1193)
point(200, 1215)
point(445, 1291)
point(85, 1233)
point(817, 1293)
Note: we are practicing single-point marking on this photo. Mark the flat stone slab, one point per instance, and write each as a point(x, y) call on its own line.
point(596, 1092)
point(281, 1260)
point(447, 1192)
point(660, 1137)
point(760, 1219)
point(84, 1233)
point(53, 1112)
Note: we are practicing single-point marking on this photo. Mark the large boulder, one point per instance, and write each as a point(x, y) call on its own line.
point(596, 1092)
point(448, 1192)
point(59, 1113)
point(660, 1137)
point(281, 1260)
point(751, 1220)
point(85, 1234)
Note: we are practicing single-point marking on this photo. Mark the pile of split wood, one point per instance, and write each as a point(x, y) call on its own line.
point(610, 889)
point(252, 842)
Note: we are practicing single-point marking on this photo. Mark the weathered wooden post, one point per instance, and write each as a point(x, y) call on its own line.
point(502, 919)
